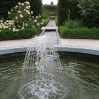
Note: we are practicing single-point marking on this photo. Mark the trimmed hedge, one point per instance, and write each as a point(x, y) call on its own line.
point(46, 21)
point(56, 20)
point(79, 33)
point(22, 34)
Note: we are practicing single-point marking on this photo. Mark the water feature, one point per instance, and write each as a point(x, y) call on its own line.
point(43, 76)
point(81, 77)
point(42, 57)
point(10, 77)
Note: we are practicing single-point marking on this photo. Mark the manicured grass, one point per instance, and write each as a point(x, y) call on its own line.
point(79, 33)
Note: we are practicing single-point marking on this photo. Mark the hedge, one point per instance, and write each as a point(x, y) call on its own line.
point(79, 33)
point(46, 21)
point(65, 8)
point(22, 34)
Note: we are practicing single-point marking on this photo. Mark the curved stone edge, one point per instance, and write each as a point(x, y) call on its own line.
point(78, 49)
point(13, 49)
point(62, 48)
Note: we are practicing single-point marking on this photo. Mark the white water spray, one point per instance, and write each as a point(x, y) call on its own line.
point(41, 71)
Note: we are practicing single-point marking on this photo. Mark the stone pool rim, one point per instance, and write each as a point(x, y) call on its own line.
point(60, 47)
point(61, 54)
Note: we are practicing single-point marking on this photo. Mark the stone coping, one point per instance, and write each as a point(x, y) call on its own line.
point(49, 28)
point(78, 49)
point(60, 47)
point(13, 49)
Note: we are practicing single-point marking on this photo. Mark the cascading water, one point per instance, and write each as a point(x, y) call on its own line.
point(41, 71)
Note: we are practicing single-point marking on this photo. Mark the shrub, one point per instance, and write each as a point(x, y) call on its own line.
point(73, 24)
point(36, 7)
point(46, 21)
point(6, 35)
point(50, 9)
point(6, 5)
point(45, 16)
point(74, 9)
point(20, 13)
point(89, 10)
point(22, 34)
point(80, 33)
point(56, 20)
point(63, 7)
point(22, 17)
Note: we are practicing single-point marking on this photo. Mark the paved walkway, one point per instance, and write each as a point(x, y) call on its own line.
point(14, 42)
point(69, 45)
point(81, 42)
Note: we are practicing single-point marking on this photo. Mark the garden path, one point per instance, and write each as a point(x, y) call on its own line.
point(82, 42)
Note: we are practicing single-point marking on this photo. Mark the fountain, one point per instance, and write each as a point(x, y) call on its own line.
point(42, 57)
point(44, 76)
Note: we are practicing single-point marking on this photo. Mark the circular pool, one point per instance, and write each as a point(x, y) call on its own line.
point(81, 77)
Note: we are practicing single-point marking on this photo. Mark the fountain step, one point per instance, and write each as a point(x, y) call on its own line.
point(50, 28)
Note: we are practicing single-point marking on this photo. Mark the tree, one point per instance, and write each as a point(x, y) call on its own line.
point(36, 7)
point(51, 3)
point(64, 6)
point(6, 5)
point(50, 9)
point(90, 12)
point(74, 10)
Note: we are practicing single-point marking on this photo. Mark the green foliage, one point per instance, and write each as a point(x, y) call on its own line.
point(36, 7)
point(50, 9)
point(46, 21)
point(63, 7)
point(56, 20)
point(73, 24)
point(80, 33)
point(6, 5)
point(21, 21)
point(20, 13)
point(90, 12)
point(22, 17)
point(70, 24)
point(74, 10)
point(45, 16)
point(22, 34)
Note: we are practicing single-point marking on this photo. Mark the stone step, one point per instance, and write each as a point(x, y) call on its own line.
point(50, 28)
